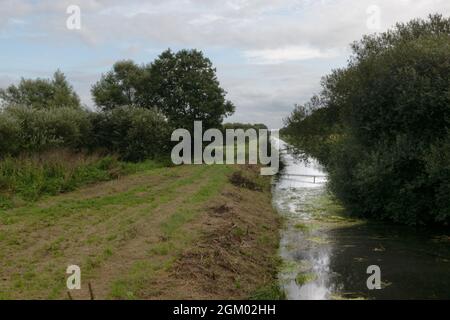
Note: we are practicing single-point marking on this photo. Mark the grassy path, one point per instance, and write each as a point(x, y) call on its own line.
point(129, 236)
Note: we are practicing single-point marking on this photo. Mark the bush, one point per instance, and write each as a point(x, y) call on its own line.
point(37, 130)
point(437, 168)
point(9, 134)
point(381, 125)
point(134, 133)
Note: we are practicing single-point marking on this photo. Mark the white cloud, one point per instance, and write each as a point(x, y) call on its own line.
point(205, 19)
point(286, 54)
point(271, 40)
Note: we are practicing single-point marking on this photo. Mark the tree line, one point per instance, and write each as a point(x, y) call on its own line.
point(381, 125)
point(138, 106)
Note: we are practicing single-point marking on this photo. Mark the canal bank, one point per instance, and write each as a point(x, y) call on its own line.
point(326, 253)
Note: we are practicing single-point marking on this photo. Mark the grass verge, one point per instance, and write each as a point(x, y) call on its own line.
point(180, 232)
point(27, 179)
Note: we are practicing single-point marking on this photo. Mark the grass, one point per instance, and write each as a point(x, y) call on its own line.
point(304, 278)
point(104, 220)
point(269, 292)
point(175, 241)
point(125, 234)
point(303, 226)
point(27, 179)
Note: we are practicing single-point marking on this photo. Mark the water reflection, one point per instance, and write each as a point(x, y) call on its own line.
point(293, 188)
point(332, 258)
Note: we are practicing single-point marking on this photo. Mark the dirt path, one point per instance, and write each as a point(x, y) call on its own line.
point(144, 236)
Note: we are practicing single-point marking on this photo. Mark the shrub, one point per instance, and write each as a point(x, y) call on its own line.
point(437, 167)
point(43, 129)
point(134, 133)
point(9, 134)
point(381, 125)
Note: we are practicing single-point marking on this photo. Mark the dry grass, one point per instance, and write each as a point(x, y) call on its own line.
point(182, 232)
point(236, 253)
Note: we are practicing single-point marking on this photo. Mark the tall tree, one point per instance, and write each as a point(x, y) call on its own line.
point(382, 128)
point(41, 93)
point(184, 86)
point(122, 86)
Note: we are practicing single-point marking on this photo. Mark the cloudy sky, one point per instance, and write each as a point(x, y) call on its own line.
point(269, 54)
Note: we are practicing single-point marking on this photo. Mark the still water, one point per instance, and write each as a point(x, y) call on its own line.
point(326, 254)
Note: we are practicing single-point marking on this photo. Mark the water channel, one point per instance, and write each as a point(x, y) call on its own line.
point(326, 253)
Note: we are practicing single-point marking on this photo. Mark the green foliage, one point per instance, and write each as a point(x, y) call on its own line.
point(133, 133)
point(244, 126)
point(122, 86)
point(269, 292)
point(9, 134)
point(182, 85)
point(41, 93)
point(25, 179)
point(312, 127)
point(140, 105)
point(437, 169)
point(304, 278)
point(381, 125)
point(27, 129)
point(185, 88)
point(29, 178)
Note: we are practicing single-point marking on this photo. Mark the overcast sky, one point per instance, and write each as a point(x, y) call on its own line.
point(269, 54)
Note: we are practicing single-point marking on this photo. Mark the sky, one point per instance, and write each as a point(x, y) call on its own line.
point(269, 54)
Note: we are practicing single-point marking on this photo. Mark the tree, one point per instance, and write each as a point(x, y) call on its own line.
point(122, 86)
point(182, 85)
point(41, 93)
point(383, 122)
point(63, 93)
point(185, 88)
